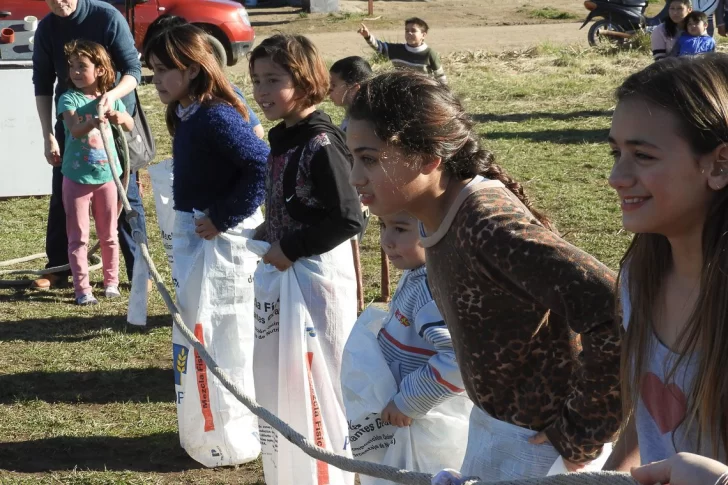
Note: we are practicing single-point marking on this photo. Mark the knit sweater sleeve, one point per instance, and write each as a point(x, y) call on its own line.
point(234, 142)
point(330, 168)
point(122, 49)
point(44, 73)
point(378, 45)
point(439, 379)
point(436, 67)
point(572, 284)
point(659, 43)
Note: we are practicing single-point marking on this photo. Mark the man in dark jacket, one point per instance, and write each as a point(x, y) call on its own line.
point(99, 22)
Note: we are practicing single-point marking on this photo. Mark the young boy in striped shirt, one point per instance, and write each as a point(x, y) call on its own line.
point(414, 339)
point(415, 54)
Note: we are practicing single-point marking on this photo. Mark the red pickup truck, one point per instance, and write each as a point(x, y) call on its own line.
point(226, 20)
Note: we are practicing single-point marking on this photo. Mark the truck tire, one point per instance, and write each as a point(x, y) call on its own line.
point(218, 49)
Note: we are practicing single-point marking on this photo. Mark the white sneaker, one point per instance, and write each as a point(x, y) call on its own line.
point(112, 292)
point(86, 300)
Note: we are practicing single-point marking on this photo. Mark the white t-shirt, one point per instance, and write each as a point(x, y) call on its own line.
point(661, 417)
point(662, 44)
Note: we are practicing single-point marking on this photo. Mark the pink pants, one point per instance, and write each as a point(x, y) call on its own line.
point(76, 200)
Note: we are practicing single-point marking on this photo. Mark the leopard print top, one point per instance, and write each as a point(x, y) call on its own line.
point(531, 318)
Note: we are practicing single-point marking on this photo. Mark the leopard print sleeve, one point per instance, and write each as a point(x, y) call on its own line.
point(536, 265)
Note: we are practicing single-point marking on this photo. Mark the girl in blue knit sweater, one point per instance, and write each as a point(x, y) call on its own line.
point(219, 163)
point(218, 186)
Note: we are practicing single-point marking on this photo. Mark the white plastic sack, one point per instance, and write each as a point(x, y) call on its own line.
point(161, 176)
point(138, 298)
point(302, 319)
point(214, 282)
point(428, 445)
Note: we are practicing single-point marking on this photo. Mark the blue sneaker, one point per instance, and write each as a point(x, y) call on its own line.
point(86, 300)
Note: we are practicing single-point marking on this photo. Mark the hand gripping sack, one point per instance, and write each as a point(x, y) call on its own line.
point(429, 444)
point(214, 283)
point(302, 319)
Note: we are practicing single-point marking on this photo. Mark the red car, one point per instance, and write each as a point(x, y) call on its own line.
point(226, 20)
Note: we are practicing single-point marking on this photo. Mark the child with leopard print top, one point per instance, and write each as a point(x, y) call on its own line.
point(531, 316)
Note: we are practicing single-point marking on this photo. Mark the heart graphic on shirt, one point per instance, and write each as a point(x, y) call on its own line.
point(666, 404)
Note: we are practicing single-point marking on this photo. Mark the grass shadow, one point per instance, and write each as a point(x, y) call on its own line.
point(267, 5)
point(564, 137)
point(90, 387)
point(516, 117)
point(24, 294)
point(72, 329)
point(257, 23)
point(154, 453)
point(263, 8)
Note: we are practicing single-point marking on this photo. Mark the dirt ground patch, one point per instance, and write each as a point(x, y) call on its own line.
point(390, 15)
point(455, 25)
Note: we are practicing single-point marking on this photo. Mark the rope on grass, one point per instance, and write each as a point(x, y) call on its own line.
point(347, 464)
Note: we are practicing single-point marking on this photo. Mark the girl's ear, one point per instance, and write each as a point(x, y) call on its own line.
point(194, 70)
point(718, 175)
point(430, 163)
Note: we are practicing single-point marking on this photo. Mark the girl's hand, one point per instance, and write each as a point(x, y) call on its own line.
point(681, 469)
point(106, 103)
point(541, 438)
point(206, 229)
point(391, 414)
point(363, 31)
point(95, 122)
point(114, 117)
point(276, 257)
point(260, 232)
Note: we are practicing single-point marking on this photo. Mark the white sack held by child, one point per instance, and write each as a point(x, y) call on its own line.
point(161, 177)
point(431, 443)
point(214, 283)
point(139, 295)
point(296, 376)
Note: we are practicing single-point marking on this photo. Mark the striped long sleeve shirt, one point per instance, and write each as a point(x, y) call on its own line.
point(417, 346)
point(421, 59)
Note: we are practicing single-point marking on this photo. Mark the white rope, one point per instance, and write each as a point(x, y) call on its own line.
point(316, 452)
point(40, 272)
point(592, 478)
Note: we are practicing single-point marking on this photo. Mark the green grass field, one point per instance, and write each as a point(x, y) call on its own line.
point(84, 400)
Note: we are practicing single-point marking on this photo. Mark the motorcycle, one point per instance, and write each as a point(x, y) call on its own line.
point(620, 20)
